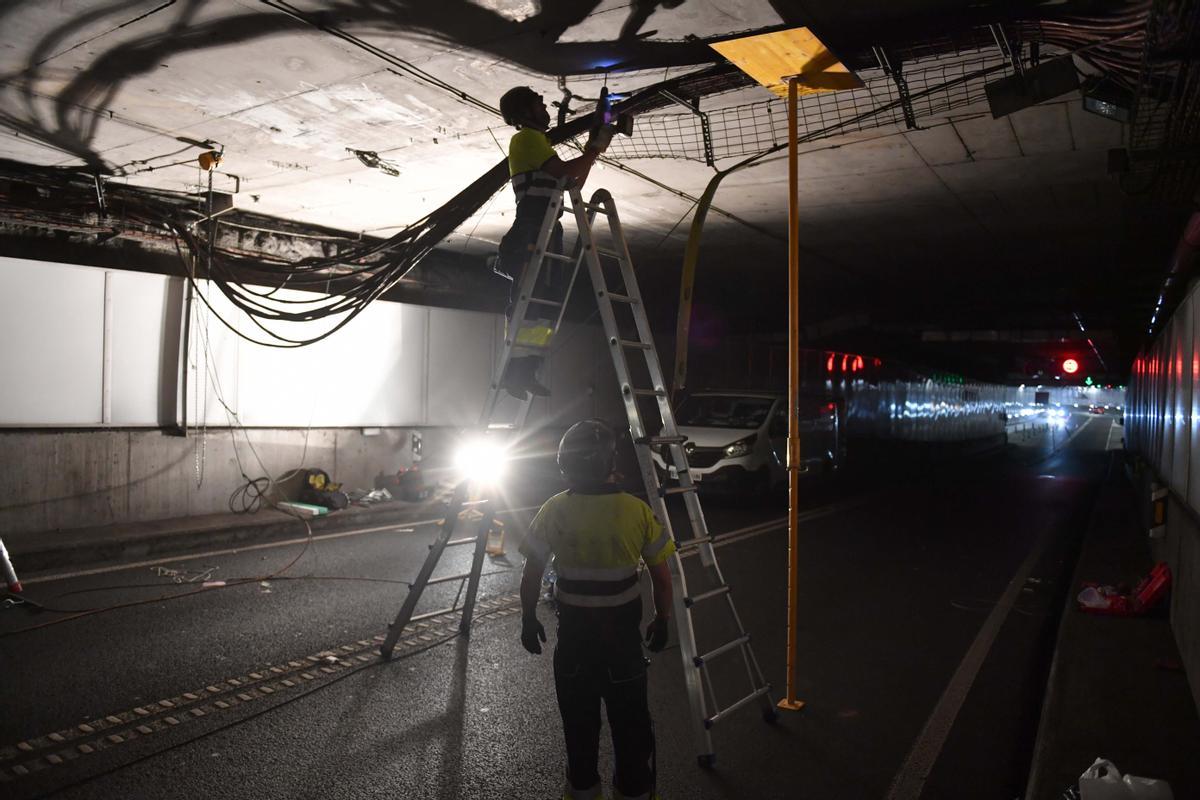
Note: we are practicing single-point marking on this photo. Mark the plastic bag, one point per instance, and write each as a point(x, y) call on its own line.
point(1103, 781)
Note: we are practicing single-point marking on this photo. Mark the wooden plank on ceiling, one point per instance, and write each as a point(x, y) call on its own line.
point(772, 58)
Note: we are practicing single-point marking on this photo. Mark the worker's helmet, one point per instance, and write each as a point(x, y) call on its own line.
point(587, 454)
point(515, 104)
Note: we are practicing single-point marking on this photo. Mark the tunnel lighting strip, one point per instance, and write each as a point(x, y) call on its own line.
point(64, 746)
point(1091, 344)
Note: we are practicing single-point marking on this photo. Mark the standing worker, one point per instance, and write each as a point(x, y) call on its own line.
point(535, 170)
point(597, 535)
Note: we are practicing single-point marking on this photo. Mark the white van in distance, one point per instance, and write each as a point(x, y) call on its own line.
point(737, 441)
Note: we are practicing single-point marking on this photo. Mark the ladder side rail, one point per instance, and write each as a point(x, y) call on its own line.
point(578, 256)
point(691, 500)
point(693, 678)
point(684, 628)
point(418, 587)
point(485, 527)
point(529, 276)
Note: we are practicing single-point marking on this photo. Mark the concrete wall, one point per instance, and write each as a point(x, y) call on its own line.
point(1179, 546)
point(70, 479)
point(79, 334)
point(1162, 427)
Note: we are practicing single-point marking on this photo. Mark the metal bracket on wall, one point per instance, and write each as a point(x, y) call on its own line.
point(897, 76)
point(694, 107)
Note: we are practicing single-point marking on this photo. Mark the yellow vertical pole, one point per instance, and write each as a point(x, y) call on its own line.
point(789, 700)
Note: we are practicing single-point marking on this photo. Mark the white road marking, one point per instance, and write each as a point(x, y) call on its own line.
point(910, 780)
point(1120, 431)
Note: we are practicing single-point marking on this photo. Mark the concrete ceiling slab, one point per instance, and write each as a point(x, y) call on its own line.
point(121, 84)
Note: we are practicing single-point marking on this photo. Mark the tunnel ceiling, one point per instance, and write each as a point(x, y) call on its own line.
point(976, 243)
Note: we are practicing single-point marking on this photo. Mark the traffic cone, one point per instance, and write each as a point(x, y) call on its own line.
point(10, 575)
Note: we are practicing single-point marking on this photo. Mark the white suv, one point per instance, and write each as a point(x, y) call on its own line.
point(737, 441)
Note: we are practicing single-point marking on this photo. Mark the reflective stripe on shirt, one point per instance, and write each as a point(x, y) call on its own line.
point(596, 600)
point(650, 551)
point(535, 183)
point(595, 573)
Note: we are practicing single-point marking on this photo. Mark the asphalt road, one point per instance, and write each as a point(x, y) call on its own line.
point(930, 593)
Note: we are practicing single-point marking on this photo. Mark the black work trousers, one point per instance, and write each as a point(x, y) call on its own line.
point(588, 670)
point(516, 247)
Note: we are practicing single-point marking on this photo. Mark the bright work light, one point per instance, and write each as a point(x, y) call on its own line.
point(481, 460)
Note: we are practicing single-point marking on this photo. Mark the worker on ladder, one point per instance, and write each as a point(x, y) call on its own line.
point(536, 172)
point(597, 535)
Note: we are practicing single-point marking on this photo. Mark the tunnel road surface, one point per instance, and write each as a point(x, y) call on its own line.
point(929, 599)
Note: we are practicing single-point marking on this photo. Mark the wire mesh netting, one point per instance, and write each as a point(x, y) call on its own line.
point(1164, 135)
point(931, 86)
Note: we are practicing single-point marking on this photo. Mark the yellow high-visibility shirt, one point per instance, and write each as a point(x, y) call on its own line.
point(528, 149)
point(597, 541)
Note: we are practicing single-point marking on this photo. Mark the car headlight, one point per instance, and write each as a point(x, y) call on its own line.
point(741, 447)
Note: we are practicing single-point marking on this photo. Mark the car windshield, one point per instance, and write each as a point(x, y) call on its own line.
point(723, 411)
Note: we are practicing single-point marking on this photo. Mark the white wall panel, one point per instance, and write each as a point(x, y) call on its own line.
point(212, 362)
point(141, 330)
point(1190, 308)
point(52, 325)
point(461, 344)
point(1181, 410)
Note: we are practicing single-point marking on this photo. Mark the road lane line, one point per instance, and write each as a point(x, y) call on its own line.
point(909, 782)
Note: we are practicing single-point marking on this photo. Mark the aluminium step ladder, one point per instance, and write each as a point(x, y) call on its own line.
point(706, 711)
point(461, 507)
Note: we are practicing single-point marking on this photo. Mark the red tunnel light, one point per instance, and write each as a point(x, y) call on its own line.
point(1070, 366)
point(829, 363)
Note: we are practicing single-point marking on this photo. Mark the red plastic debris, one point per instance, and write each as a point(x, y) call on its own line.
point(1097, 599)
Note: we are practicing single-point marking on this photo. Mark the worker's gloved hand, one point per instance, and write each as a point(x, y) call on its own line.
point(600, 138)
point(657, 632)
point(532, 634)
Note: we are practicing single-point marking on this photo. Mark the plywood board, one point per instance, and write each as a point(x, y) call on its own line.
point(772, 58)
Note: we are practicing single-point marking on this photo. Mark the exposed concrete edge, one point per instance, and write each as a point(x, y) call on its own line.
point(117, 546)
point(1046, 727)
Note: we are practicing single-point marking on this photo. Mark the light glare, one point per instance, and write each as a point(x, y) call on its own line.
point(481, 461)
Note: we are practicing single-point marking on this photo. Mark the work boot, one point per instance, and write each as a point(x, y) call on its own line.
point(520, 378)
point(571, 793)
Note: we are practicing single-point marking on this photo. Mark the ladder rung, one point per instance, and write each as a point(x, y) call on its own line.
point(589, 207)
point(720, 590)
point(666, 491)
point(543, 302)
point(560, 257)
point(457, 542)
point(660, 439)
point(636, 345)
point(757, 693)
point(649, 392)
point(609, 253)
point(695, 542)
point(448, 578)
point(725, 648)
point(621, 298)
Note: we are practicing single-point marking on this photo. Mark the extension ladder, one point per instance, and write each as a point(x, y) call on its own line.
point(624, 338)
